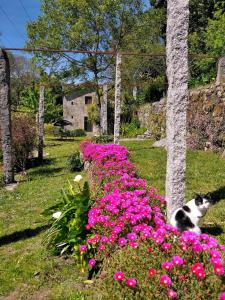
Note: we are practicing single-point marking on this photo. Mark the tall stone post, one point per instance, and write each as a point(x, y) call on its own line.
point(135, 92)
point(220, 78)
point(177, 73)
point(117, 98)
point(5, 117)
point(104, 104)
point(41, 123)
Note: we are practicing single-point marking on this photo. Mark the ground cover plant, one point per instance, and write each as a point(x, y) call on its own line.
point(148, 258)
point(29, 271)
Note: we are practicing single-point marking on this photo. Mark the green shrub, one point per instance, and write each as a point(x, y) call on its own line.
point(75, 162)
point(24, 137)
point(130, 130)
point(68, 231)
point(102, 139)
point(49, 129)
point(79, 132)
point(71, 133)
point(136, 262)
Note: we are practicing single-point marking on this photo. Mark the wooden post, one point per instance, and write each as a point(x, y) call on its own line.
point(177, 73)
point(5, 117)
point(104, 125)
point(117, 98)
point(41, 123)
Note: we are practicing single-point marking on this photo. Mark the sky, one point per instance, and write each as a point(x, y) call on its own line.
point(14, 14)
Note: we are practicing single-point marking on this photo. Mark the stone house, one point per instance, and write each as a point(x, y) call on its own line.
point(75, 107)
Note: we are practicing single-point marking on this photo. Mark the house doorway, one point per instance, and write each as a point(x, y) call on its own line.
point(88, 126)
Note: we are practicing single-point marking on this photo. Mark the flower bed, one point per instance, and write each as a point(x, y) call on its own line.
point(146, 258)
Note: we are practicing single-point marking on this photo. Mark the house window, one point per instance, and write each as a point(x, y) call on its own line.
point(87, 125)
point(88, 100)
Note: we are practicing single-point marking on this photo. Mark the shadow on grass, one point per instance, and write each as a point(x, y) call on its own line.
point(35, 162)
point(213, 230)
point(46, 172)
point(21, 235)
point(218, 194)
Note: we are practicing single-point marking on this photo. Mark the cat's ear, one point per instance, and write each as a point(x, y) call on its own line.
point(198, 199)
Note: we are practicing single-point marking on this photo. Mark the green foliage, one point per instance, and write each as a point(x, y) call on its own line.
point(71, 133)
point(29, 102)
point(49, 129)
point(130, 130)
point(90, 25)
point(215, 35)
point(102, 139)
point(75, 162)
point(24, 137)
point(154, 90)
point(68, 230)
point(93, 113)
point(135, 263)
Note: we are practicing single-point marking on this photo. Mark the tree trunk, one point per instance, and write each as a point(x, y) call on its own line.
point(103, 117)
point(41, 123)
point(5, 117)
point(177, 73)
point(117, 98)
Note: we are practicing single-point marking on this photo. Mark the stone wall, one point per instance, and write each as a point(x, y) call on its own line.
point(206, 116)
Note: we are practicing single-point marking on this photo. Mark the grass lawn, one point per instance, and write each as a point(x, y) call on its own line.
point(27, 270)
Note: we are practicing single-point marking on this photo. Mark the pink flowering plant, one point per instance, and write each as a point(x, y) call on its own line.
point(146, 257)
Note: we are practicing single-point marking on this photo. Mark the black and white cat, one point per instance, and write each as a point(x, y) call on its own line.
point(188, 216)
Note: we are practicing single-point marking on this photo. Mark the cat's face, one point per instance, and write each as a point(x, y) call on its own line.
point(203, 202)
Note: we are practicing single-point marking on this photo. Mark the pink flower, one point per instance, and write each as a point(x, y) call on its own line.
point(183, 247)
point(218, 269)
point(222, 296)
point(83, 248)
point(171, 294)
point(122, 242)
point(166, 246)
point(132, 236)
point(197, 267)
point(119, 276)
point(134, 244)
point(92, 262)
point(181, 277)
point(101, 248)
point(167, 265)
point(152, 272)
point(177, 260)
point(131, 282)
point(165, 280)
point(200, 274)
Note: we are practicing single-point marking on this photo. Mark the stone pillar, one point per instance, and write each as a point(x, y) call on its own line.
point(135, 92)
point(41, 123)
point(104, 125)
point(117, 98)
point(5, 117)
point(220, 78)
point(177, 73)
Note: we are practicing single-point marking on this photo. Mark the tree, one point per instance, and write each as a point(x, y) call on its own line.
point(85, 25)
point(5, 117)
point(177, 74)
point(215, 34)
